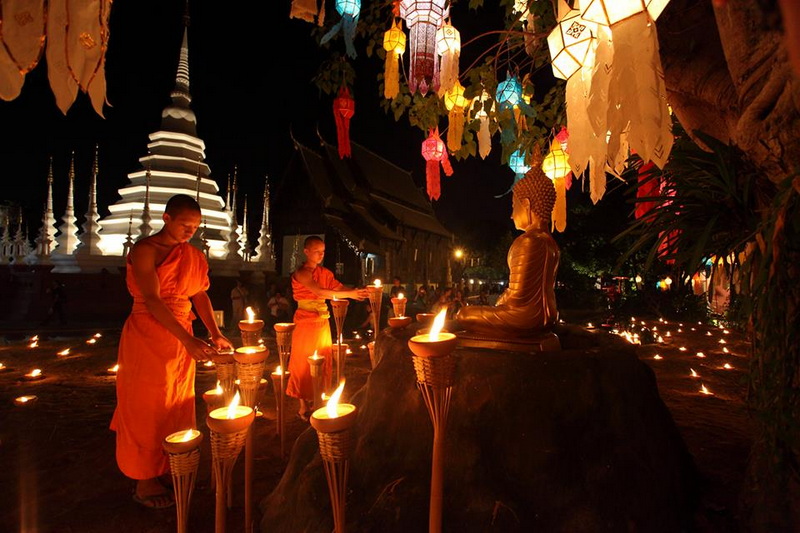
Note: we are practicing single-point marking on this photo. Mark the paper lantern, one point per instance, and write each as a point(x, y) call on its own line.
point(448, 46)
point(516, 162)
point(423, 18)
point(456, 105)
point(556, 162)
point(394, 42)
point(349, 10)
point(479, 105)
point(509, 92)
point(435, 153)
point(344, 107)
point(609, 12)
point(570, 42)
point(648, 187)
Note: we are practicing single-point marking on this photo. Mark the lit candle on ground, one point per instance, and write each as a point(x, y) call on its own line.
point(91, 341)
point(704, 390)
point(701, 355)
point(657, 357)
point(693, 373)
point(34, 375)
point(232, 418)
point(113, 370)
point(725, 349)
point(25, 400)
point(214, 398)
point(725, 331)
point(727, 366)
point(251, 328)
point(722, 341)
point(64, 352)
point(669, 334)
point(680, 330)
point(399, 305)
point(97, 335)
point(33, 344)
point(334, 416)
point(682, 348)
point(3, 367)
point(209, 365)
point(183, 441)
point(435, 342)
point(590, 325)
point(708, 333)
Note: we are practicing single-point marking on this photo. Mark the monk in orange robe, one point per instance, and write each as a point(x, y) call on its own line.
point(157, 351)
point(312, 285)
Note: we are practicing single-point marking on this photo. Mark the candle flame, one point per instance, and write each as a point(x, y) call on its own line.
point(23, 399)
point(694, 374)
point(438, 324)
point(725, 349)
point(2, 366)
point(278, 370)
point(114, 368)
point(315, 355)
point(708, 333)
point(251, 315)
point(400, 296)
point(725, 331)
point(187, 436)
point(726, 366)
point(722, 341)
point(91, 341)
point(35, 373)
point(669, 334)
point(35, 338)
point(701, 354)
point(208, 364)
point(65, 351)
point(589, 325)
point(657, 357)
point(218, 390)
point(233, 405)
point(334, 401)
point(682, 348)
point(34, 344)
point(377, 283)
point(97, 335)
point(704, 390)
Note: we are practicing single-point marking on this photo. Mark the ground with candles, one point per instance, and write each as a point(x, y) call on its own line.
point(57, 462)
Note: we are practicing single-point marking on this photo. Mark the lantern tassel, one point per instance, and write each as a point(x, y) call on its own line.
point(432, 179)
point(560, 209)
point(484, 138)
point(448, 71)
point(349, 23)
point(455, 130)
point(391, 76)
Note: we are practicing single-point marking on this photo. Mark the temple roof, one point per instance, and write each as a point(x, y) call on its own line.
point(365, 197)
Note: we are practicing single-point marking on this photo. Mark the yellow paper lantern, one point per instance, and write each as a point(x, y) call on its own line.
point(556, 162)
point(394, 42)
point(571, 42)
point(455, 103)
point(608, 12)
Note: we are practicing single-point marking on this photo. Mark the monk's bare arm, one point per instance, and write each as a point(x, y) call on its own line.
point(303, 275)
point(204, 309)
point(143, 262)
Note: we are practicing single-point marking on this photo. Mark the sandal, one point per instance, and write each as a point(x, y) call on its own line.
point(162, 500)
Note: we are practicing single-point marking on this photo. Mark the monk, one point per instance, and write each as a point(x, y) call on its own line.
point(312, 285)
point(166, 276)
point(528, 306)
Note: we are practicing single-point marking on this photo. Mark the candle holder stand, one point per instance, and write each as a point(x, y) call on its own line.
point(339, 353)
point(283, 338)
point(279, 382)
point(375, 300)
point(316, 365)
point(371, 348)
point(251, 332)
point(227, 439)
point(339, 314)
point(399, 306)
point(250, 363)
point(434, 365)
point(335, 446)
point(225, 365)
point(184, 459)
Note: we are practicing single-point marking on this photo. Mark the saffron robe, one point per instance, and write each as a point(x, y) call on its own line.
point(312, 332)
point(155, 380)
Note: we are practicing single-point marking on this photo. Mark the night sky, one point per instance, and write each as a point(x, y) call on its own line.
point(251, 81)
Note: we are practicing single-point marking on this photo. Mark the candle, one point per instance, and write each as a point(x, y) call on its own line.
point(704, 390)
point(113, 370)
point(3, 367)
point(25, 400)
point(377, 283)
point(693, 373)
point(91, 341)
point(334, 416)
point(250, 354)
point(399, 305)
point(214, 397)
point(64, 352)
point(435, 342)
point(183, 441)
point(252, 323)
point(231, 419)
point(34, 375)
point(97, 335)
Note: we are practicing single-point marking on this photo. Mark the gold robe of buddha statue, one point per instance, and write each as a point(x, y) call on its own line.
point(528, 307)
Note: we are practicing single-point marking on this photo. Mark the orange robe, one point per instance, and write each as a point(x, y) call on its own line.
point(155, 380)
point(312, 332)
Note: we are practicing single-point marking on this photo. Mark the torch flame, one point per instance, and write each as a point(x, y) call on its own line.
point(400, 296)
point(334, 401)
point(218, 390)
point(233, 405)
point(377, 283)
point(251, 315)
point(187, 436)
point(438, 324)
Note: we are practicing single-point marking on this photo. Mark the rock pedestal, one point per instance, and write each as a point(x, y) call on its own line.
point(576, 440)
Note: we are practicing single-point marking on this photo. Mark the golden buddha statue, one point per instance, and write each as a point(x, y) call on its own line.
point(526, 311)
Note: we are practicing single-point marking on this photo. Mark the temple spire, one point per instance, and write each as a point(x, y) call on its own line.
point(145, 229)
point(233, 233)
point(91, 227)
point(68, 232)
point(244, 240)
point(128, 244)
point(264, 248)
point(21, 245)
point(49, 219)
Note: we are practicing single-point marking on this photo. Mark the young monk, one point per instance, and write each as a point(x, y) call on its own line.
point(157, 350)
point(312, 284)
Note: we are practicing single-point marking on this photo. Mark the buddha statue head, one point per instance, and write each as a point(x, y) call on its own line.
point(534, 196)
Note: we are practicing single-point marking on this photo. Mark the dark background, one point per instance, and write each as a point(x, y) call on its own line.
point(251, 83)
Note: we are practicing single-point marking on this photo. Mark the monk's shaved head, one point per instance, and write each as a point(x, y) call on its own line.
point(181, 203)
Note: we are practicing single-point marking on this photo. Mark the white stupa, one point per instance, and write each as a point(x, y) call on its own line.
point(176, 162)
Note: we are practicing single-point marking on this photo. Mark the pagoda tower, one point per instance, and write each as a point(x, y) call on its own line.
point(91, 226)
point(176, 163)
point(67, 237)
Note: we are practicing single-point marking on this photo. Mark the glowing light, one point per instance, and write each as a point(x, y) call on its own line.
point(113, 369)
point(704, 390)
point(708, 333)
point(682, 348)
point(251, 315)
point(725, 331)
point(727, 366)
point(657, 357)
point(438, 325)
point(693, 373)
point(33, 344)
point(64, 352)
point(97, 335)
point(232, 406)
point(722, 341)
point(35, 373)
point(376, 283)
point(725, 349)
point(701, 355)
point(669, 334)
point(331, 407)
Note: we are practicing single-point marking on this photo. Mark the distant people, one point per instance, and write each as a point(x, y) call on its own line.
point(279, 307)
point(58, 296)
point(239, 300)
point(397, 288)
point(420, 300)
point(168, 279)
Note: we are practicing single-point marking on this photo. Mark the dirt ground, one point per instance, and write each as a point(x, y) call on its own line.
point(57, 467)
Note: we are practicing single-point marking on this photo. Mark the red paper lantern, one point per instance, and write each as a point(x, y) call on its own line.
point(435, 152)
point(344, 107)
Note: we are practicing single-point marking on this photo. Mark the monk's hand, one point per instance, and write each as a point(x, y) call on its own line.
point(221, 343)
point(362, 294)
point(199, 349)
